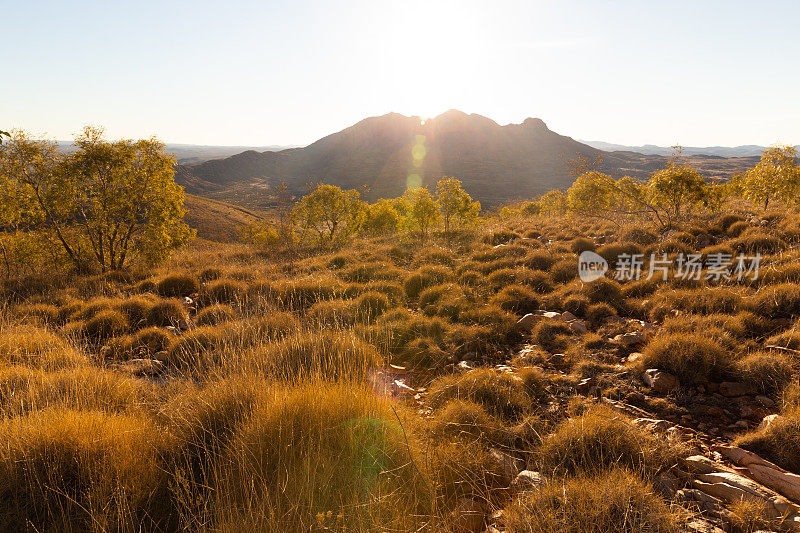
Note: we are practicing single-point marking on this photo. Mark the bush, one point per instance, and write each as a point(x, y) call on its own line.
point(576, 304)
point(615, 501)
point(210, 274)
point(767, 372)
point(777, 301)
point(150, 341)
point(222, 291)
point(82, 471)
point(777, 442)
point(737, 228)
point(312, 472)
point(564, 271)
point(500, 237)
point(371, 305)
point(42, 314)
point(517, 299)
point(581, 244)
point(321, 354)
point(639, 236)
point(166, 313)
point(551, 335)
point(189, 351)
point(215, 314)
point(105, 325)
point(724, 222)
point(604, 290)
point(597, 314)
point(177, 286)
point(37, 348)
point(426, 277)
point(601, 439)
point(498, 393)
point(755, 240)
point(539, 260)
point(693, 358)
point(136, 309)
point(611, 252)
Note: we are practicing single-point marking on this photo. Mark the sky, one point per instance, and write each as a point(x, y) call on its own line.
point(235, 72)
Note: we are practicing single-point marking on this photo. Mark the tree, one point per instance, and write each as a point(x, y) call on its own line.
point(553, 203)
point(595, 194)
point(329, 212)
point(105, 204)
point(775, 177)
point(381, 217)
point(422, 212)
point(455, 203)
point(675, 189)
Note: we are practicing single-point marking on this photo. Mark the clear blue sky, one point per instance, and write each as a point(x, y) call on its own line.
point(257, 73)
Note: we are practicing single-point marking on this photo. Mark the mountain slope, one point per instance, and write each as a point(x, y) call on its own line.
point(382, 155)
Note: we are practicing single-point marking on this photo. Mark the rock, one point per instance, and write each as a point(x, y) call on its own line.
point(652, 424)
point(769, 420)
point(527, 480)
point(764, 401)
point(578, 326)
point(510, 465)
point(566, 316)
point(467, 516)
point(464, 366)
point(746, 411)
point(731, 389)
point(635, 356)
point(703, 240)
point(741, 424)
point(187, 301)
point(667, 484)
point(400, 387)
point(699, 525)
point(552, 315)
point(631, 339)
point(659, 381)
point(615, 320)
point(527, 322)
point(635, 397)
point(585, 384)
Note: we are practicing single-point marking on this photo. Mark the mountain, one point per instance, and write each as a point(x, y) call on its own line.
point(381, 155)
point(190, 154)
point(747, 150)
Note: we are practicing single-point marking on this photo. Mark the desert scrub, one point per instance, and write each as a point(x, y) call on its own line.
point(517, 299)
point(321, 447)
point(498, 393)
point(320, 354)
point(614, 501)
point(104, 325)
point(426, 277)
point(222, 291)
point(177, 286)
point(767, 372)
point(195, 349)
point(82, 470)
point(87, 388)
point(551, 335)
point(37, 348)
point(693, 358)
point(778, 442)
point(166, 313)
point(776, 301)
point(215, 314)
point(601, 439)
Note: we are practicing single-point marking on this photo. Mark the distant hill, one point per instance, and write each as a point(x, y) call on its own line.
point(747, 150)
point(215, 220)
point(190, 154)
point(496, 163)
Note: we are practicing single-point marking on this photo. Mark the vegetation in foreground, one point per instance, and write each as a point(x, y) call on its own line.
point(368, 371)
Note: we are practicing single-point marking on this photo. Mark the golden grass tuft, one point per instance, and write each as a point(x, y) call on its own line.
point(613, 501)
point(37, 348)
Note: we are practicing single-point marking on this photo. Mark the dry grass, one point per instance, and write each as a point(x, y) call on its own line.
point(614, 501)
